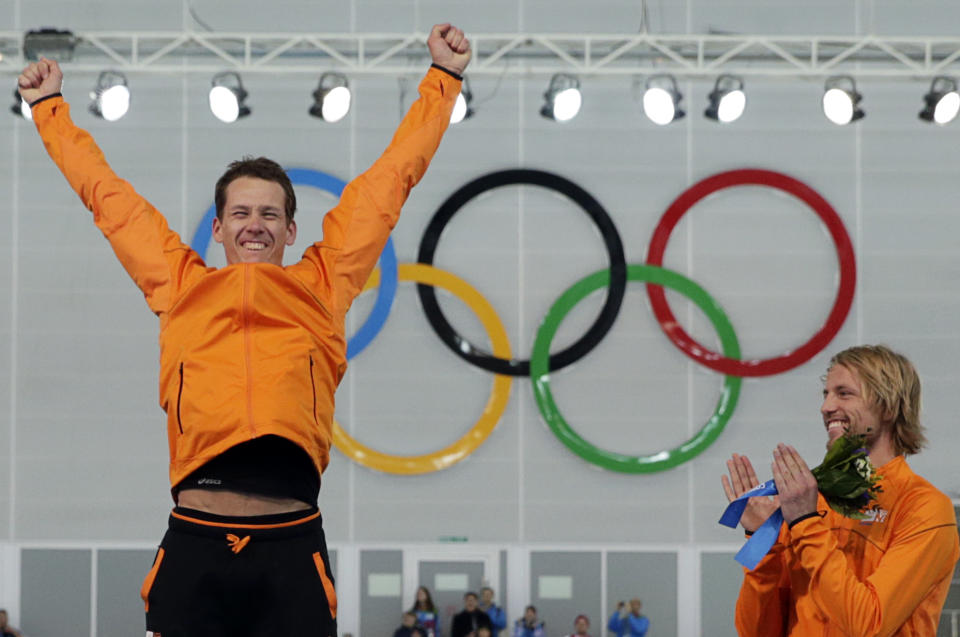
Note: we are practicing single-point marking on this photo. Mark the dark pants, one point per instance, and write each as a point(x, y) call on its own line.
point(218, 576)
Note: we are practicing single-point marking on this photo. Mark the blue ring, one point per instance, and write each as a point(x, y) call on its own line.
point(386, 292)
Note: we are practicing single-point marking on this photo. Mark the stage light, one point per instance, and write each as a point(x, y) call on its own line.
point(20, 108)
point(727, 100)
point(111, 97)
point(332, 97)
point(841, 100)
point(562, 100)
point(661, 99)
point(49, 43)
point(227, 97)
point(462, 109)
point(942, 101)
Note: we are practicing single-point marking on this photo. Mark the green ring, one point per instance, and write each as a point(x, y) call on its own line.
point(661, 460)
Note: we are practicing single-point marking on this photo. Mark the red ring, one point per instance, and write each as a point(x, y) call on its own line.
point(845, 257)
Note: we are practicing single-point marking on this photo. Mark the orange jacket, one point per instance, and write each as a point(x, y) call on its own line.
point(251, 349)
point(837, 576)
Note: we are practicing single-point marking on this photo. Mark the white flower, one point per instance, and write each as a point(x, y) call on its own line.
point(863, 467)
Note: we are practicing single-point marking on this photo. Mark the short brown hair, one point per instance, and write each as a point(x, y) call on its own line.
point(260, 168)
point(891, 383)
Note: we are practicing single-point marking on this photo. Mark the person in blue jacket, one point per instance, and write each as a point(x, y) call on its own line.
point(528, 625)
point(629, 622)
point(426, 611)
point(497, 615)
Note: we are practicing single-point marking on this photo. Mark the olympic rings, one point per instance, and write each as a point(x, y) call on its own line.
point(608, 231)
point(388, 258)
point(661, 460)
point(494, 408)
point(841, 306)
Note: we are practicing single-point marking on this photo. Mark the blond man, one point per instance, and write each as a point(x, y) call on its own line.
point(829, 575)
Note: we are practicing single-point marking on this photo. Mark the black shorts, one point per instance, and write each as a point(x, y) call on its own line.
point(218, 576)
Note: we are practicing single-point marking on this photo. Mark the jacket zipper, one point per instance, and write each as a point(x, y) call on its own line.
point(313, 390)
point(180, 399)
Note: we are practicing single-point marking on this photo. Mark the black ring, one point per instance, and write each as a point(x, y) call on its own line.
point(608, 232)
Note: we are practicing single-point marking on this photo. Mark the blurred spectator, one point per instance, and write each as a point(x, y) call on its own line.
point(580, 626)
point(629, 622)
point(6, 630)
point(498, 618)
point(409, 627)
point(528, 625)
point(466, 622)
point(426, 612)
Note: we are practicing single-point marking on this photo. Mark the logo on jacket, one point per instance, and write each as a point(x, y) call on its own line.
point(875, 515)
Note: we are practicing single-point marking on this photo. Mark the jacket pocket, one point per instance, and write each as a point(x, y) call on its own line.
point(313, 391)
point(180, 399)
point(148, 582)
point(328, 588)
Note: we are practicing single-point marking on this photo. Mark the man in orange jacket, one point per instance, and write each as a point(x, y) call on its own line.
point(250, 358)
point(829, 575)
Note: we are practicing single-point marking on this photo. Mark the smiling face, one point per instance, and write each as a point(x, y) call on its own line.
point(846, 407)
point(254, 226)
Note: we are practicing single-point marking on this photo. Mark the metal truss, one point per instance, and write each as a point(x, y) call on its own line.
point(518, 54)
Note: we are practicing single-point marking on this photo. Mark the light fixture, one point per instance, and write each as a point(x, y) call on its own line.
point(49, 43)
point(111, 97)
point(841, 100)
point(727, 100)
point(461, 109)
point(227, 96)
point(332, 97)
point(661, 99)
point(562, 100)
point(20, 108)
point(942, 101)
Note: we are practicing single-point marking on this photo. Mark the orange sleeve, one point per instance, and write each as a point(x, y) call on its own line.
point(763, 604)
point(355, 231)
point(152, 254)
point(921, 554)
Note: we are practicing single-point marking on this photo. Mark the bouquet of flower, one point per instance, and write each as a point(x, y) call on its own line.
point(846, 478)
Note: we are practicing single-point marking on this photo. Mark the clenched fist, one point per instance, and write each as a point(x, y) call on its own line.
point(449, 47)
point(39, 80)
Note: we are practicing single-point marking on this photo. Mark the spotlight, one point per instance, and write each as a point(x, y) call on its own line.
point(942, 101)
point(226, 97)
point(20, 108)
point(332, 97)
point(727, 100)
point(562, 100)
point(661, 99)
point(49, 43)
point(462, 110)
point(111, 97)
point(841, 100)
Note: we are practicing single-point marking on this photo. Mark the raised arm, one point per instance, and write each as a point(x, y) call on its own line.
point(151, 253)
point(355, 231)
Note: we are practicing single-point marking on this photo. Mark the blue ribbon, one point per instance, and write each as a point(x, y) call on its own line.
point(763, 538)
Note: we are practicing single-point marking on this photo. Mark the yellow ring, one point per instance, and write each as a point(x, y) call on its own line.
point(496, 404)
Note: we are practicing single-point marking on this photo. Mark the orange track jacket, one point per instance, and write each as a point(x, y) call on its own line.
point(834, 576)
point(251, 349)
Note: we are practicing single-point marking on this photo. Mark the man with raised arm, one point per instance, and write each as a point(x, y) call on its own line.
point(250, 358)
point(830, 575)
